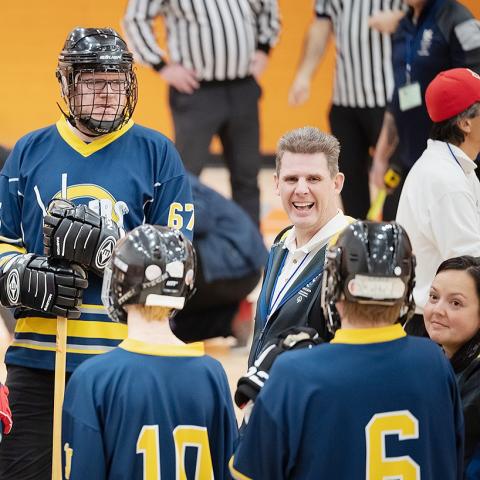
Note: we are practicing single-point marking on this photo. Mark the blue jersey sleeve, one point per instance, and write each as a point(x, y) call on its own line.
point(264, 451)
point(11, 240)
point(82, 455)
point(261, 451)
point(172, 204)
point(230, 431)
point(83, 451)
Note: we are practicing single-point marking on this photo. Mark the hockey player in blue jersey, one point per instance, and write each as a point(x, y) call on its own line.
point(372, 404)
point(154, 407)
point(106, 175)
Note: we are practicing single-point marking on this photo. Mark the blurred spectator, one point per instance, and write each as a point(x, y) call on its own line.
point(218, 51)
point(363, 85)
point(440, 202)
point(230, 258)
point(434, 35)
point(4, 152)
point(452, 320)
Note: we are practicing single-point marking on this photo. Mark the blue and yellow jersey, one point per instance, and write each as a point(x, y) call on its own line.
point(372, 404)
point(134, 176)
point(146, 411)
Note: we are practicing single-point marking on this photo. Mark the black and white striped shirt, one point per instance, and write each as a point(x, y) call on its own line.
point(364, 74)
point(216, 38)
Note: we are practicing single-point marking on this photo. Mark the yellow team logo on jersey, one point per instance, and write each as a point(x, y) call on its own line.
point(99, 200)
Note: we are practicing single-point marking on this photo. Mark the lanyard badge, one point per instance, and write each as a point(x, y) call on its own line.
point(410, 95)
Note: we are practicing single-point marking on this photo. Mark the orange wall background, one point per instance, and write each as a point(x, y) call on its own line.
point(33, 33)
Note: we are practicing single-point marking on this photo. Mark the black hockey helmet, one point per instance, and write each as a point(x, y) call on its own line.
point(94, 51)
point(151, 265)
point(371, 263)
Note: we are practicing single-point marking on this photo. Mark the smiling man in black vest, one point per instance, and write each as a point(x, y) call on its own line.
point(308, 182)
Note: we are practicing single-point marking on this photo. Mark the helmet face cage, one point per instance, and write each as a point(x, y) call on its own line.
point(153, 266)
point(373, 264)
point(98, 83)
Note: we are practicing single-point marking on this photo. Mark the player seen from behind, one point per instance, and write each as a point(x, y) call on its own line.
point(154, 407)
point(373, 403)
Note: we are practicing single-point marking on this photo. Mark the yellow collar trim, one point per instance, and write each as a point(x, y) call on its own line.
point(86, 149)
point(188, 350)
point(369, 335)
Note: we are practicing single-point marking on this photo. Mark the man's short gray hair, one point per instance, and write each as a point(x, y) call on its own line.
point(309, 140)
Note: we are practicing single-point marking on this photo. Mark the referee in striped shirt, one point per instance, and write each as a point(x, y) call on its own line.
point(363, 85)
point(217, 51)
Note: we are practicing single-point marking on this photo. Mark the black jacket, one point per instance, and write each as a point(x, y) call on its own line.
point(469, 384)
point(300, 306)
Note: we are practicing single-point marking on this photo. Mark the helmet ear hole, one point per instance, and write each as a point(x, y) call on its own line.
point(153, 266)
point(371, 263)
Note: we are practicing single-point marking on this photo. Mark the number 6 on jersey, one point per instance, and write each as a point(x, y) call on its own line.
point(401, 423)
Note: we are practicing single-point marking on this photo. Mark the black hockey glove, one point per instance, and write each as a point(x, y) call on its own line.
point(249, 386)
point(42, 284)
point(78, 234)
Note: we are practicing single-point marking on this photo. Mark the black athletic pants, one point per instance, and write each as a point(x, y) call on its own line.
point(357, 130)
point(416, 326)
point(26, 453)
point(209, 313)
point(230, 110)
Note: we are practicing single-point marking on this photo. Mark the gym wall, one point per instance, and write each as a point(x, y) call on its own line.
point(33, 33)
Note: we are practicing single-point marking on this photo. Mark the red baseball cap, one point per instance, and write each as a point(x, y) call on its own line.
point(452, 92)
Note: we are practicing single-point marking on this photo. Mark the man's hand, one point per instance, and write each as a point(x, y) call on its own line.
point(258, 64)
point(182, 79)
point(385, 21)
point(249, 386)
point(5, 413)
point(300, 90)
point(79, 234)
point(36, 282)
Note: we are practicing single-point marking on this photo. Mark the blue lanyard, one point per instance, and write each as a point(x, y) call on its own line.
point(274, 301)
point(453, 155)
point(409, 44)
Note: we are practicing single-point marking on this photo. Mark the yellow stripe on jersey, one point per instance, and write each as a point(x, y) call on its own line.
point(75, 328)
point(9, 248)
point(235, 473)
point(195, 349)
point(87, 149)
point(363, 336)
point(95, 309)
point(51, 347)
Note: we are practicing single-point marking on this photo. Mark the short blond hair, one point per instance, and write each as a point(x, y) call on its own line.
point(376, 314)
point(151, 313)
point(309, 140)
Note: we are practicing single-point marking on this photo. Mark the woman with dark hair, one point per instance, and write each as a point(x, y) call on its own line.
point(452, 319)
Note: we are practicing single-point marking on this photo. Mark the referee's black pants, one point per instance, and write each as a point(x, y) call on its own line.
point(230, 110)
point(357, 130)
point(26, 453)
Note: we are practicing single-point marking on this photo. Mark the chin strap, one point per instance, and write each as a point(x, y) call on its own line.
point(112, 125)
